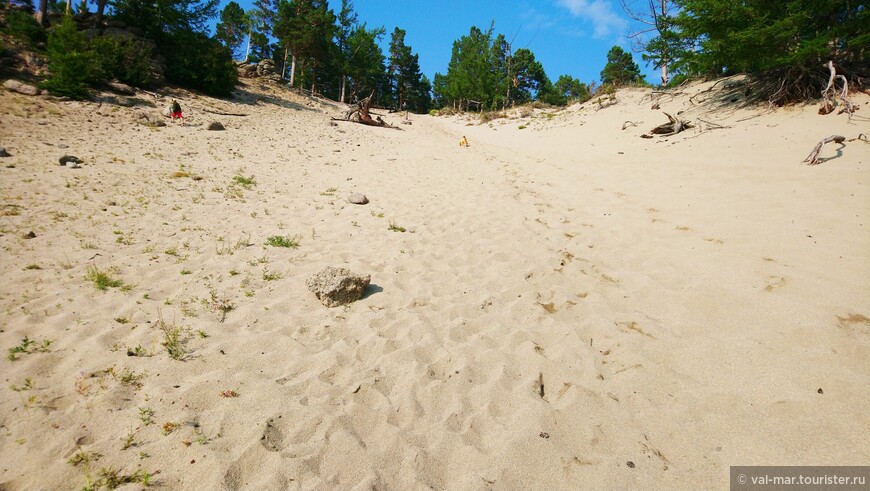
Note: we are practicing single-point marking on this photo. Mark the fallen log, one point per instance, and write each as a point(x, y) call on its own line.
point(813, 157)
point(361, 114)
point(673, 127)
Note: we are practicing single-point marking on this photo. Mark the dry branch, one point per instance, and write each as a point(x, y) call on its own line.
point(813, 157)
point(830, 90)
point(361, 114)
point(673, 127)
point(628, 124)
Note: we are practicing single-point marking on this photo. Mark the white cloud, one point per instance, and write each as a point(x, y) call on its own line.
point(600, 13)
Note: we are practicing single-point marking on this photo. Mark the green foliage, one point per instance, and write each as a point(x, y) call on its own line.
point(788, 40)
point(126, 60)
point(233, 26)
point(305, 28)
point(102, 279)
point(621, 68)
point(70, 61)
point(566, 90)
point(365, 68)
point(23, 26)
point(484, 70)
point(411, 89)
point(281, 241)
point(200, 62)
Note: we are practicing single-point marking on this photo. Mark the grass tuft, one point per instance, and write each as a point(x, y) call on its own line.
point(283, 241)
point(102, 279)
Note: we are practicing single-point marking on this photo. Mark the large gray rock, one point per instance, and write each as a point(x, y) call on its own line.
point(337, 286)
point(121, 88)
point(148, 119)
point(20, 87)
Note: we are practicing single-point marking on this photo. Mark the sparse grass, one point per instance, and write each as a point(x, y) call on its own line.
point(229, 394)
point(129, 377)
point(174, 338)
point(329, 192)
point(129, 440)
point(33, 266)
point(82, 457)
point(245, 182)
point(395, 228)
point(222, 305)
point(122, 320)
point(27, 346)
point(113, 478)
point(169, 427)
point(146, 416)
point(172, 251)
point(283, 241)
point(202, 334)
point(138, 351)
point(522, 127)
point(185, 272)
point(28, 385)
point(102, 279)
point(269, 276)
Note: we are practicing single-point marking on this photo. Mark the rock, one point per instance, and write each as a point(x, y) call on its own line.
point(215, 126)
point(70, 161)
point(166, 112)
point(4, 153)
point(148, 119)
point(337, 286)
point(20, 87)
point(29, 235)
point(247, 70)
point(120, 88)
point(358, 199)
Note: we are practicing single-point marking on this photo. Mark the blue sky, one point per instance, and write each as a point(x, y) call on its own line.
point(567, 36)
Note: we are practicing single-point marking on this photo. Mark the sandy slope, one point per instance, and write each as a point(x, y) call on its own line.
point(568, 297)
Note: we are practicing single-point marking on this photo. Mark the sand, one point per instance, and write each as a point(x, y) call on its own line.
point(570, 306)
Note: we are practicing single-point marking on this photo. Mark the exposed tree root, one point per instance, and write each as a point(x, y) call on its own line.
point(813, 157)
point(673, 127)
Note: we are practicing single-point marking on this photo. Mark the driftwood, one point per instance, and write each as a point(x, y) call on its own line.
point(628, 124)
point(830, 90)
point(813, 157)
point(361, 114)
point(673, 127)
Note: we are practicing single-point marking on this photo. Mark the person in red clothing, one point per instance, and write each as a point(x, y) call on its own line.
point(175, 109)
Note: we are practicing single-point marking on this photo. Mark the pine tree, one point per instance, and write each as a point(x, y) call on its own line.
point(411, 90)
point(621, 68)
point(233, 27)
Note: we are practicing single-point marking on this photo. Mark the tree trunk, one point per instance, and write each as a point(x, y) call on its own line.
point(248, 49)
point(101, 9)
point(68, 6)
point(293, 71)
point(42, 13)
point(284, 64)
point(664, 72)
point(343, 88)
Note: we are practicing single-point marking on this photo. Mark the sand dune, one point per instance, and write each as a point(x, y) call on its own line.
point(570, 306)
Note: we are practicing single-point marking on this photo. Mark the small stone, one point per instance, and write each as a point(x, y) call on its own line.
point(337, 286)
point(630, 464)
point(30, 235)
point(215, 126)
point(820, 391)
point(70, 159)
point(4, 153)
point(358, 199)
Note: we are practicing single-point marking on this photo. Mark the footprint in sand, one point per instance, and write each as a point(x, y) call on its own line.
point(774, 282)
point(855, 323)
